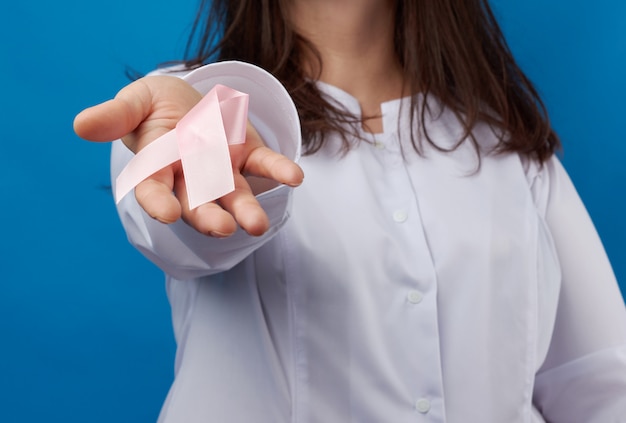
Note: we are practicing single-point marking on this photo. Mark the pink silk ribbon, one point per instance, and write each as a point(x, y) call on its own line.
point(200, 141)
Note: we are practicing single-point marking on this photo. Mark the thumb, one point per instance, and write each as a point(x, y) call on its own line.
point(115, 118)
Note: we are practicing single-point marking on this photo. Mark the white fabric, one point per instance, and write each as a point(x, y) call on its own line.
point(394, 288)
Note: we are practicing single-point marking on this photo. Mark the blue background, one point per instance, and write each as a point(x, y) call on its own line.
point(85, 334)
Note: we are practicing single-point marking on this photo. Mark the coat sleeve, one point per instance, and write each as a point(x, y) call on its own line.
point(583, 379)
point(178, 249)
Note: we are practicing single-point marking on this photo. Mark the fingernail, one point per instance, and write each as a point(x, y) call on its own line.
point(216, 234)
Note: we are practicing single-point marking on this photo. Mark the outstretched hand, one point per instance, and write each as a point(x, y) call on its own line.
point(150, 107)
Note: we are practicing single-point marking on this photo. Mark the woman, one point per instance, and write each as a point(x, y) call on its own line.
point(435, 265)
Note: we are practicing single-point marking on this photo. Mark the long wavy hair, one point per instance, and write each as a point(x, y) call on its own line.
point(451, 49)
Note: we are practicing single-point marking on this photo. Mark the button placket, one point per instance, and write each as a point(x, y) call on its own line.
point(418, 291)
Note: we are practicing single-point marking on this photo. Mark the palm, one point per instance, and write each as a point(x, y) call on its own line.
point(150, 107)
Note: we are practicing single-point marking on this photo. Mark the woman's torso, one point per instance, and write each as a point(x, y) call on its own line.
point(404, 288)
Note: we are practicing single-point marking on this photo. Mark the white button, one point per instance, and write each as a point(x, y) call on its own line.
point(379, 144)
point(422, 405)
point(414, 297)
point(400, 216)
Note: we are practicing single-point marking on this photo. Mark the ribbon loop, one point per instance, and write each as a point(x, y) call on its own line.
point(200, 140)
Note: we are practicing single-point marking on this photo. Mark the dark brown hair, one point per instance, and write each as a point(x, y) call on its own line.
point(451, 49)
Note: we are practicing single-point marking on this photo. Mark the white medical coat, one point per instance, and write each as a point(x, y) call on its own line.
point(391, 287)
